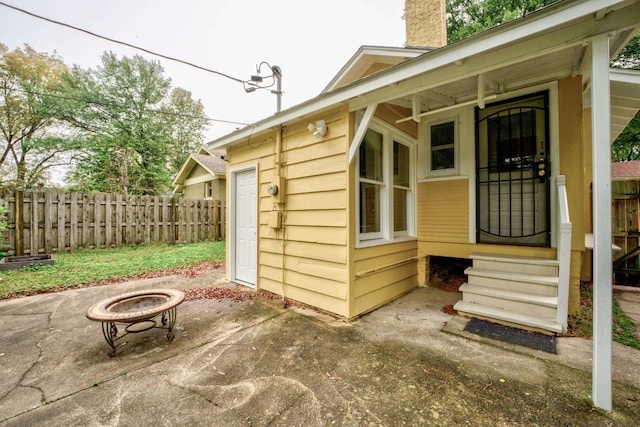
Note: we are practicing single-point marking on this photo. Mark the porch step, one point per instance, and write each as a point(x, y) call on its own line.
point(512, 281)
point(542, 306)
point(507, 317)
point(513, 290)
point(516, 264)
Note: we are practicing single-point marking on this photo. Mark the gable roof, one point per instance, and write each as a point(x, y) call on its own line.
point(365, 61)
point(545, 46)
point(629, 169)
point(212, 161)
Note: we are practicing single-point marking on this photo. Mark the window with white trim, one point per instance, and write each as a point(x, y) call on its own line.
point(385, 186)
point(442, 153)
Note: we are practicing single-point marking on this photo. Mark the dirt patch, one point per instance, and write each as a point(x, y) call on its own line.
point(448, 273)
point(236, 294)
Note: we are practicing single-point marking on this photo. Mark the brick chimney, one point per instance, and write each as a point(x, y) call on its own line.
point(426, 23)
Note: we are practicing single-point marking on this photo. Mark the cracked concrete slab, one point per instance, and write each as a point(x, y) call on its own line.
point(257, 363)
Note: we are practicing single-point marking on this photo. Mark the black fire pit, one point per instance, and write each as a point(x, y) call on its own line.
point(138, 311)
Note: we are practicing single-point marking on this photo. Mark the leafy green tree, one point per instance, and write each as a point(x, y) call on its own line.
point(627, 145)
point(32, 141)
point(187, 121)
point(467, 17)
point(136, 126)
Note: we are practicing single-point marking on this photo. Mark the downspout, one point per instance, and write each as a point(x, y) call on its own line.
point(280, 182)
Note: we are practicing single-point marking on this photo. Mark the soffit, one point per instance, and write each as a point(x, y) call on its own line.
point(539, 48)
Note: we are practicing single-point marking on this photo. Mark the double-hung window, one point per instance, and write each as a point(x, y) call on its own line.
point(385, 187)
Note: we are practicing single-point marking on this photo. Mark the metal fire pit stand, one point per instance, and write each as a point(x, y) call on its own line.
point(139, 311)
point(110, 330)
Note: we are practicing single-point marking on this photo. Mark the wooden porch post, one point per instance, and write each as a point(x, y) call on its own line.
point(602, 268)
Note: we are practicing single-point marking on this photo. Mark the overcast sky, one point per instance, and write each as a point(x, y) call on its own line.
point(310, 40)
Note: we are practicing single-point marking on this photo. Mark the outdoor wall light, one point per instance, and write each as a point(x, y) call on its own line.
point(319, 129)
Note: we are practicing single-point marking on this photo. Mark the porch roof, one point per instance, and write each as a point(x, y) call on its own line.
point(542, 47)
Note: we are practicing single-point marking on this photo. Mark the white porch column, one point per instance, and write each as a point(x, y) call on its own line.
point(602, 268)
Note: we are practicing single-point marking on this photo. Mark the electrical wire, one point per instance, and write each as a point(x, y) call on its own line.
point(190, 64)
point(123, 107)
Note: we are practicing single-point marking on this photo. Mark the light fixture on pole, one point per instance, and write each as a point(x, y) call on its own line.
point(253, 83)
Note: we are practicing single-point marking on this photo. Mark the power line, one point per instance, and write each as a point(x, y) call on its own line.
point(190, 64)
point(109, 104)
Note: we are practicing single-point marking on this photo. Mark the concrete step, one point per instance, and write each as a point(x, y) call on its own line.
point(516, 264)
point(510, 281)
point(542, 306)
point(508, 317)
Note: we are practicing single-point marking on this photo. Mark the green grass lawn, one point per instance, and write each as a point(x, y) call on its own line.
point(98, 265)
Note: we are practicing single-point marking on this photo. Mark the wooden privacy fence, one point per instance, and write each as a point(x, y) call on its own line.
point(47, 222)
point(625, 213)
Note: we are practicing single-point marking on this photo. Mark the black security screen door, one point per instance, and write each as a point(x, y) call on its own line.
point(512, 172)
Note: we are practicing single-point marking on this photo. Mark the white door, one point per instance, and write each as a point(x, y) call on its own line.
point(245, 223)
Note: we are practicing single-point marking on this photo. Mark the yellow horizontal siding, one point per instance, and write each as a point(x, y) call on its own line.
point(314, 184)
point(376, 262)
point(443, 211)
point(317, 166)
point(383, 250)
point(398, 274)
point(380, 297)
point(463, 250)
point(323, 302)
point(320, 149)
point(387, 278)
point(329, 253)
point(336, 199)
point(314, 267)
point(314, 214)
point(323, 235)
point(317, 285)
point(325, 218)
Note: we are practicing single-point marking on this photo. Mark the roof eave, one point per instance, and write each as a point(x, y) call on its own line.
point(550, 17)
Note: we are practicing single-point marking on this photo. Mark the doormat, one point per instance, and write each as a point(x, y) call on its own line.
point(535, 340)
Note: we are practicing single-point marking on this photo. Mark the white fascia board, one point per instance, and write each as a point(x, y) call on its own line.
point(185, 169)
point(553, 16)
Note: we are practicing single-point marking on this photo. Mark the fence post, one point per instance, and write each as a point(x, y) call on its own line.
point(216, 220)
point(19, 216)
point(176, 219)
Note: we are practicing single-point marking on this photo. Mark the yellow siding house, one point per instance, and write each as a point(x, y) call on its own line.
point(484, 149)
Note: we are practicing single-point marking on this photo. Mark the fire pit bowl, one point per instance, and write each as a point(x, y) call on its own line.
point(138, 310)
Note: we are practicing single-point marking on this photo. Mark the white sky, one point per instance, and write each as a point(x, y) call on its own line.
point(310, 40)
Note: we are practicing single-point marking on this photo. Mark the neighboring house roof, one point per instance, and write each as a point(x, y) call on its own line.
point(622, 170)
point(211, 160)
point(545, 46)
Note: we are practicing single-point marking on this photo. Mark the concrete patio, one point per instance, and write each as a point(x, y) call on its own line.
point(256, 363)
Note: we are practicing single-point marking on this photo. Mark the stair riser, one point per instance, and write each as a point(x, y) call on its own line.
point(514, 286)
point(513, 267)
point(507, 318)
point(515, 306)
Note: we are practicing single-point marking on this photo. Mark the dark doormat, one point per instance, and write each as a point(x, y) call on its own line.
point(521, 337)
